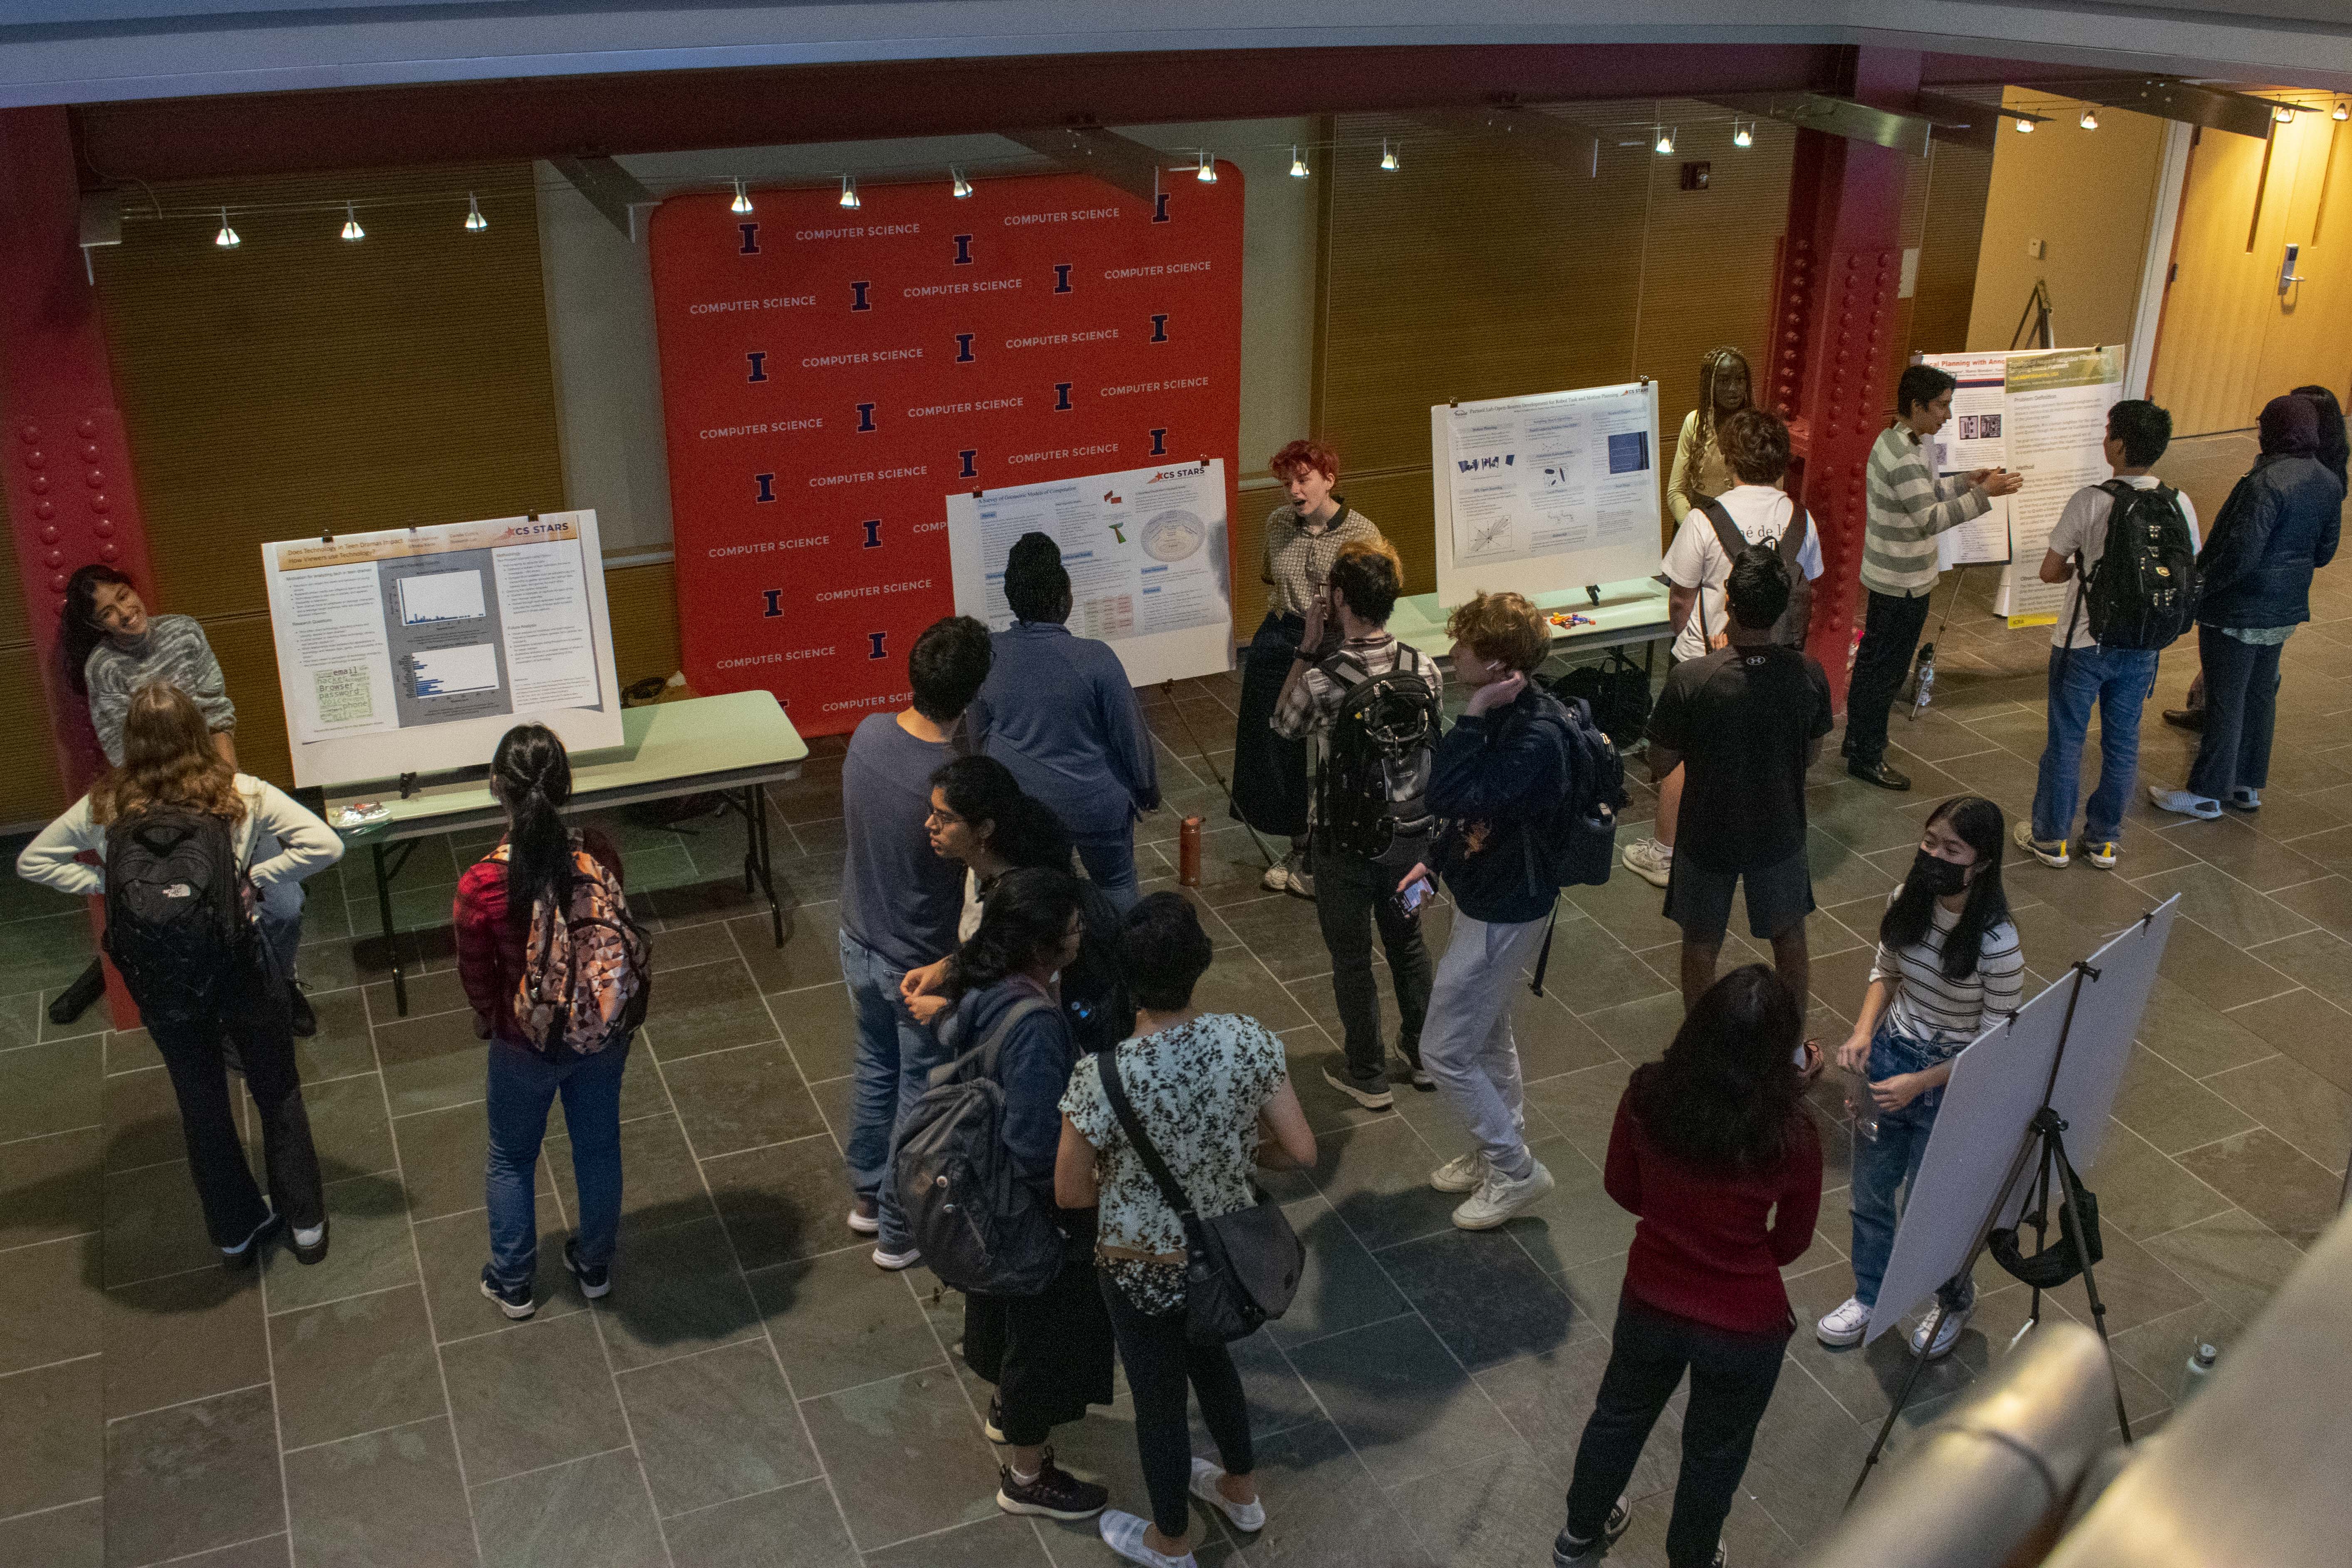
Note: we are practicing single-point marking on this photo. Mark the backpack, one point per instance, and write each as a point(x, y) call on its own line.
point(177, 921)
point(1578, 836)
point(2143, 592)
point(1373, 784)
point(587, 977)
point(1790, 629)
point(980, 1227)
point(1617, 692)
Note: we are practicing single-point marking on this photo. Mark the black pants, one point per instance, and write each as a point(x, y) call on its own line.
point(1348, 890)
point(1890, 634)
point(260, 1027)
point(1160, 1362)
point(1732, 1377)
point(1049, 1355)
point(2241, 683)
point(1269, 772)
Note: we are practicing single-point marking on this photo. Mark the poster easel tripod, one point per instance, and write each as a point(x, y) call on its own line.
point(2045, 1142)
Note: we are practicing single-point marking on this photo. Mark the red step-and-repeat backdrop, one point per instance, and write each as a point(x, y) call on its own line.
point(830, 376)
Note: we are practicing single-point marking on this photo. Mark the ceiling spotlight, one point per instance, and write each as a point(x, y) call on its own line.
point(352, 229)
point(2025, 127)
point(1388, 156)
point(1665, 140)
point(1741, 135)
point(474, 221)
point(1206, 171)
point(2283, 114)
point(1297, 165)
point(960, 187)
point(849, 190)
point(2090, 120)
point(227, 238)
point(2343, 111)
point(742, 203)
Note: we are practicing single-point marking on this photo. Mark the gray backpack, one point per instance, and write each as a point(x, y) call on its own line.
point(1789, 630)
point(980, 1227)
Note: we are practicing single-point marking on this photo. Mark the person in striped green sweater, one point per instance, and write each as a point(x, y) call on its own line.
point(1909, 507)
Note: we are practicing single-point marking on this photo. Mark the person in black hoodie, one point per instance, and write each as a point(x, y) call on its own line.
point(1496, 777)
point(1050, 1355)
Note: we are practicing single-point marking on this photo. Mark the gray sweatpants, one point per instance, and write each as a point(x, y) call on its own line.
point(1466, 1043)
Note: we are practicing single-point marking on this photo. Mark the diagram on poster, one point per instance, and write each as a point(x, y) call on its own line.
point(1547, 492)
point(1145, 549)
point(411, 649)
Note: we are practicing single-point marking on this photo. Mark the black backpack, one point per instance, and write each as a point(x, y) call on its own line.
point(1617, 692)
point(176, 921)
point(980, 1226)
point(1579, 835)
point(1372, 785)
point(2143, 592)
point(1788, 631)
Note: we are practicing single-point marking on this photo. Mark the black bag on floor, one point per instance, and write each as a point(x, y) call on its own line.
point(1240, 1268)
point(2062, 1259)
point(1618, 693)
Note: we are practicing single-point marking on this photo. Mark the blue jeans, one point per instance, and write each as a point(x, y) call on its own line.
point(1110, 860)
point(278, 915)
point(1889, 1165)
point(2118, 680)
point(895, 1056)
point(522, 1084)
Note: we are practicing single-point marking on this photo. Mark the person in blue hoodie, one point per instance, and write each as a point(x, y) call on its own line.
point(1060, 712)
point(1049, 1355)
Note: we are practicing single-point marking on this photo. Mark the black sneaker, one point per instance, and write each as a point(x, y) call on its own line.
point(515, 1303)
point(595, 1281)
point(1371, 1093)
point(1055, 1493)
point(992, 1428)
point(305, 1022)
point(1567, 1552)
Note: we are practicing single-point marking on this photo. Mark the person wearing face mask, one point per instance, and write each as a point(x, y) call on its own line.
point(1303, 537)
point(1948, 964)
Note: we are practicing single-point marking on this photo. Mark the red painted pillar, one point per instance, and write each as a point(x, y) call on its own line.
point(1833, 309)
point(64, 462)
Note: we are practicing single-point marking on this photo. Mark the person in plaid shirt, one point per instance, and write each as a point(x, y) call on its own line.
point(1349, 887)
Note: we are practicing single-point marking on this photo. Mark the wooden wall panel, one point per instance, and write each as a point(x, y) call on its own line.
point(1957, 180)
point(643, 602)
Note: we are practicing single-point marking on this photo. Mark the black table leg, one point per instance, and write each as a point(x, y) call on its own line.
point(391, 938)
point(758, 850)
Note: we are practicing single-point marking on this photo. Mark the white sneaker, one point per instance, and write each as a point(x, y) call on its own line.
point(1245, 1515)
point(895, 1261)
point(861, 1218)
point(1289, 875)
point(2102, 853)
point(1123, 1533)
point(1498, 1198)
point(1844, 1326)
point(1651, 861)
point(1462, 1173)
point(2053, 854)
point(2183, 803)
point(1945, 1337)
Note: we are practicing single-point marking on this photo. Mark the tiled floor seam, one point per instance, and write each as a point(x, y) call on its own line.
point(225, 1546)
point(180, 1404)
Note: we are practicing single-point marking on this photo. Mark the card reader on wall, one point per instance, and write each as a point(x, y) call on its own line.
point(2287, 276)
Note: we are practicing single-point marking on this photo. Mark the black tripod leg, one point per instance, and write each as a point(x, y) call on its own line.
point(2041, 1223)
point(1902, 1398)
point(2098, 1308)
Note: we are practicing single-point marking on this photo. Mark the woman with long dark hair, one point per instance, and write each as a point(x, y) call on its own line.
point(536, 864)
point(172, 783)
point(1713, 1148)
point(1949, 965)
point(1049, 1355)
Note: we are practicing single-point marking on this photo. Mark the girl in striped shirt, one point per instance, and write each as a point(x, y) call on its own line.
point(1949, 965)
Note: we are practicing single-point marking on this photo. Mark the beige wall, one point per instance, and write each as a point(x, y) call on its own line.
point(2089, 196)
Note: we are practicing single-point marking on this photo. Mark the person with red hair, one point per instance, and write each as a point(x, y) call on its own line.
point(1303, 537)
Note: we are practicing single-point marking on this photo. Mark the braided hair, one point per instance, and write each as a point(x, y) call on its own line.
point(1711, 365)
point(531, 776)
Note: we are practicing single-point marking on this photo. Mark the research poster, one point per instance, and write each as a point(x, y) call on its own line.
point(1145, 549)
point(1975, 437)
point(1548, 491)
point(413, 649)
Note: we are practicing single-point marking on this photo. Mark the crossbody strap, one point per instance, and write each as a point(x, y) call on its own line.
point(992, 1045)
point(1114, 1090)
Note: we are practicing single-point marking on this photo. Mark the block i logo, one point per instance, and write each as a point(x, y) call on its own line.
point(858, 299)
point(758, 361)
point(963, 250)
point(963, 347)
point(750, 240)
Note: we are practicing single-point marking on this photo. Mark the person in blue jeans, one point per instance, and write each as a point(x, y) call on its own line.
point(2082, 672)
point(1060, 712)
point(530, 775)
point(899, 906)
point(1948, 966)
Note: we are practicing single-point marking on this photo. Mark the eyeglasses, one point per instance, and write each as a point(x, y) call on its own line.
point(935, 817)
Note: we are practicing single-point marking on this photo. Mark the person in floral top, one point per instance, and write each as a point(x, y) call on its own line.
point(1213, 1095)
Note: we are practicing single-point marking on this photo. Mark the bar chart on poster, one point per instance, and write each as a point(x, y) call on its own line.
point(413, 649)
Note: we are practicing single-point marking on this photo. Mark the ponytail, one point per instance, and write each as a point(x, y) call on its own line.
point(532, 775)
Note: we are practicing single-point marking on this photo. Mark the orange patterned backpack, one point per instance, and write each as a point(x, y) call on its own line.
point(587, 977)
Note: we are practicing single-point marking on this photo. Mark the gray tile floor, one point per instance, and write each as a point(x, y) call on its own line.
point(755, 1392)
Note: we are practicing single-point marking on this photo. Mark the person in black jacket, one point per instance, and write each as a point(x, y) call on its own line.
point(1496, 777)
point(2280, 525)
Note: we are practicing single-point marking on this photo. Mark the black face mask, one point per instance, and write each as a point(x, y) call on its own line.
point(1939, 877)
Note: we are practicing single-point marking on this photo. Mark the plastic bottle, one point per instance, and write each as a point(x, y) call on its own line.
point(1188, 853)
point(2198, 1374)
point(1865, 1110)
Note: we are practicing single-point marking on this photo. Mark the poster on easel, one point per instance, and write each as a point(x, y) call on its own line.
point(1145, 549)
point(1549, 492)
point(2049, 426)
point(414, 649)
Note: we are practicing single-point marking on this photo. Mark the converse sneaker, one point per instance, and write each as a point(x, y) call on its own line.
point(2049, 852)
point(2101, 853)
point(1651, 861)
point(513, 1301)
point(895, 1261)
point(1947, 1335)
point(2183, 803)
point(1845, 1325)
point(1123, 1533)
point(1247, 1516)
point(1371, 1093)
point(596, 1279)
point(1567, 1552)
point(1499, 1197)
point(2245, 799)
point(1462, 1173)
point(862, 1217)
point(1052, 1492)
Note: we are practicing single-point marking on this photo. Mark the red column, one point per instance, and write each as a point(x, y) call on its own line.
point(64, 462)
point(1834, 306)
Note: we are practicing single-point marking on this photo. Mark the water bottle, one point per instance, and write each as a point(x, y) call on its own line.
point(1865, 1110)
point(2199, 1373)
point(1925, 692)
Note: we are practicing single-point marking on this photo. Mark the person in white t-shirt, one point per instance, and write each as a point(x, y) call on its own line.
point(1755, 443)
point(2116, 679)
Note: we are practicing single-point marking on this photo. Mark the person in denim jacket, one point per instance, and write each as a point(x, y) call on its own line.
point(1949, 965)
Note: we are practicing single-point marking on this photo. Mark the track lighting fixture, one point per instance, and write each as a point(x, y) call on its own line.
point(227, 238)
point(2090, 120)
point(474, 221)
point(849, 191)
point(1388, 156)
point(1741, 135)
point(1206, 169)
point(352, 229)
point(1297, 165)
point(2025, 127)
point(958, 187)
point(1665, 139)
point(742, 203)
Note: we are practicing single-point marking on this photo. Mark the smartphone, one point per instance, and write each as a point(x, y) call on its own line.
point(1413, 894)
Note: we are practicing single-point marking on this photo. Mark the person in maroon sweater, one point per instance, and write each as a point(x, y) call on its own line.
point(530, 775)
point(1713, 1150)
